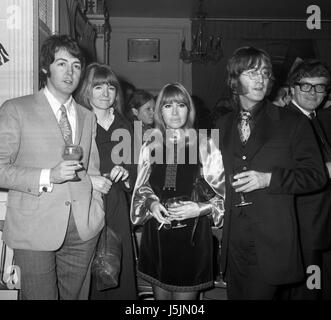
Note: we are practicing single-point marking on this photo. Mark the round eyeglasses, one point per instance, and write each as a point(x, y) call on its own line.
point(306, 87)
point(255, 74)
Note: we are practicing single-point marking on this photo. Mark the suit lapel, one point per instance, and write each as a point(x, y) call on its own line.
point(262, 131)
point(80, 122)
point(292, 107)
point(228, 138)
point(50, 121)
point(46, 113)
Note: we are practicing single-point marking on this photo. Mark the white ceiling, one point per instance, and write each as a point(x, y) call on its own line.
point(260, 9)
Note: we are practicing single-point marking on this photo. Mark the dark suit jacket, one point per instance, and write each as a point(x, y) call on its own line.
point(314, 208)
point(324, 117)
point(282, 143)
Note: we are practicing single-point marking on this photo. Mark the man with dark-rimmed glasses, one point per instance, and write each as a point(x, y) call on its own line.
point(309, 82)
point(265, 152)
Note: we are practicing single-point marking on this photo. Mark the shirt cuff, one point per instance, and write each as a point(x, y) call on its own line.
point(44, 182)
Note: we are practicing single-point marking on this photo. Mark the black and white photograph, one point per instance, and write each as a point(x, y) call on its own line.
point(165, 150)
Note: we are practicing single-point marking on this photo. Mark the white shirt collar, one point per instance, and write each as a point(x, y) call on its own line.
point(56, 105)
point(107, 122)
point(305, 112)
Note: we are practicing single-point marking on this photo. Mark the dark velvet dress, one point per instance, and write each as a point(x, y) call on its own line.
point(117, 217)
point(171, 259)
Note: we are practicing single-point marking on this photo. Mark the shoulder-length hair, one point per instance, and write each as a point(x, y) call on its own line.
point(173, 92)
point(246, 58)
point(98, 74)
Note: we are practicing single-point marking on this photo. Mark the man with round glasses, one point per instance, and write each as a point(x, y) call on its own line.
point(309, 82)
point(265, 73)
point(265, 151)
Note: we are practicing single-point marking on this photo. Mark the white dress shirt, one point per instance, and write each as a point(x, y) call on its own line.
point(44, 181)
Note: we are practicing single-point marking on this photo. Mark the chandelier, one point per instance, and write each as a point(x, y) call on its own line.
point(204, 48)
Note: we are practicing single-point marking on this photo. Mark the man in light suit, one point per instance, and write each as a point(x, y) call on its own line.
point(273, 155)
point(52, 223)
point(309, 82)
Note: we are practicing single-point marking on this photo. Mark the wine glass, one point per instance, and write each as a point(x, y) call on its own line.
point(73, 152)
point(106, 175)
point(175, 202)
point(243, 201)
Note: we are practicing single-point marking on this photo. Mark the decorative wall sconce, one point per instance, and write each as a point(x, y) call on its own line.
point(94, 7)
point(204, 48)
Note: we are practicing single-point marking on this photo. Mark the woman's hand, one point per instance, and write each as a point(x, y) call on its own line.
point(185, 210)
point(159, 212)
point(101, 184)
point(118, 173)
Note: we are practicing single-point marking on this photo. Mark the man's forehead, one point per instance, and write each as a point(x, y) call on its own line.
point(314, 80)
point(65, 55)
point(259, 66)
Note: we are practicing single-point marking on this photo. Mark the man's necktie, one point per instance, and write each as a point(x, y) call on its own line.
point(65, 126)
point(244, 126)
point(324, 145)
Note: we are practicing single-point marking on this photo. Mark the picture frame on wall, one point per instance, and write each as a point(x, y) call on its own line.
point(143, 50)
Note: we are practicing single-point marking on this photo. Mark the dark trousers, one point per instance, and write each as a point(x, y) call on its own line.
point(326, 274)
point(301, 290)
point(243, 276)
point(62, 274)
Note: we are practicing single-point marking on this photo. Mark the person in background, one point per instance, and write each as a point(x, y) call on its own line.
point(176, 244)
point(221, 107)
point(127, 91)
point(202, 120)
point(141, 108)
point(309, 82)
point(52, 222)
point(100, 92)
point(327, 101)
point(270, 155)
point(283, 96)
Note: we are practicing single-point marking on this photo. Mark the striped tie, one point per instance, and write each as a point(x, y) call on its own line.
point(65, 126)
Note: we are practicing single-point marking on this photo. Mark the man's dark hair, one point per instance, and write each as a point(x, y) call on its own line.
point(52, 45)
point(309, 68)
point(137, 100)
point(243, 59)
